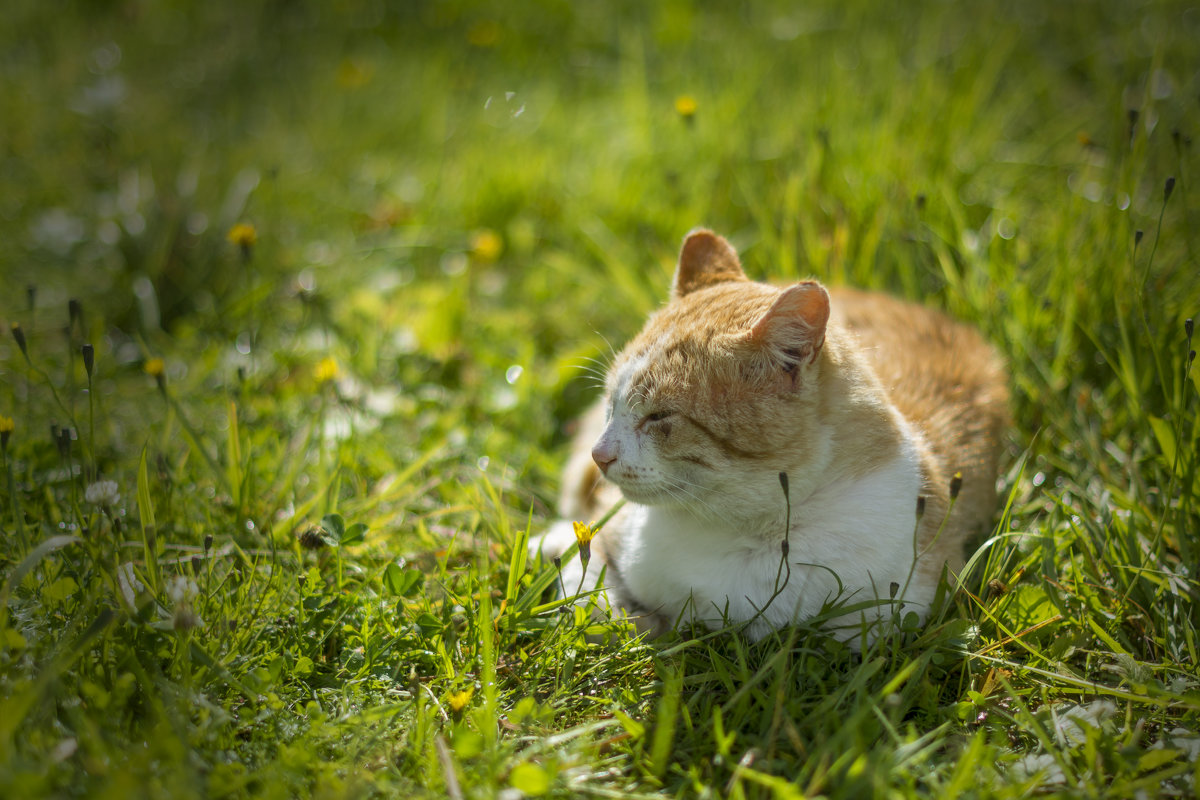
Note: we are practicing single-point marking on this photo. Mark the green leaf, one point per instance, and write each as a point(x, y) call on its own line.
point(60, 590)
point(354, 534)
point(1153, 759)
point(403, 582)
point(1166, 439)
point(335, 528)
point(530, 779)
point(146, 516)
point(11, 640)
point(635, 729)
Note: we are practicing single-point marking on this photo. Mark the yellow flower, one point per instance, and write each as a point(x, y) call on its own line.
point(7, 425)
point(458, 700)
point(685, 106)
point(353, 74)
point(583, 535)
point(154, 368)
point(485, 33)
point(486, 245)
point(243, 235)
point(326, 369)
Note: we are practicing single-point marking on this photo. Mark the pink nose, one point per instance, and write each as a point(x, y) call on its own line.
point(604, 456)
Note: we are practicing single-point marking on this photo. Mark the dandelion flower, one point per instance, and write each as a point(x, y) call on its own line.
point(486, 245)
point(584, 535)
point(102, 493)
point(353, 74)
point(155, 368)
point(485, 33)
point(326, 370)
point(243, 235)
point(685, 106)
point(956, 485)
point(458, 700)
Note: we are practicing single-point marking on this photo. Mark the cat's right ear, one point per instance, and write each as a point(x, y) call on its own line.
point(706, 259)
point(792, 331)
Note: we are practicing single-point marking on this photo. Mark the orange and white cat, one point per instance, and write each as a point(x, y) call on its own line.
point(865, 402)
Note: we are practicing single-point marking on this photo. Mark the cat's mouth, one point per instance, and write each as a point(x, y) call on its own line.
point(638, 490)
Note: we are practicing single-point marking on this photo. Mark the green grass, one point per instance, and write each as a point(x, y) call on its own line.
point(316, 584)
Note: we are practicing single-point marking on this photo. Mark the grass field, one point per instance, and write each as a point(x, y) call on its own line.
point(302, 295)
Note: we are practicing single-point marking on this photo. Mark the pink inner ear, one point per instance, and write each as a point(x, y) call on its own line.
point(705, 259)
point(796, 320)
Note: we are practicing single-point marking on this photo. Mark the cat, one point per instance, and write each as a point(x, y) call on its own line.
point(868, 411)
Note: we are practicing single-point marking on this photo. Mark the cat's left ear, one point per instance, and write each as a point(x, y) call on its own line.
point(704, 260)
point(793, 329)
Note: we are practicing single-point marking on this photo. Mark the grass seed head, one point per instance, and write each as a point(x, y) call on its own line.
point(75, 313)
point(19, 335)
point(920, 506)
point(89, 358)
point(63, 440)
point(6, 428)
point(956, 485)
point(1188, 327)
point(1137, 237)
point(1170, 187)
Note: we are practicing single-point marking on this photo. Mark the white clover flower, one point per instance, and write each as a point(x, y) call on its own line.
point(102, 493)
point(182, 590)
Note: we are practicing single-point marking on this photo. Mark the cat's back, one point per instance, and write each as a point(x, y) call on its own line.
point(946, 380)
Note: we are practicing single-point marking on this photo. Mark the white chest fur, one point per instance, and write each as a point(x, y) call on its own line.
point(855, 534)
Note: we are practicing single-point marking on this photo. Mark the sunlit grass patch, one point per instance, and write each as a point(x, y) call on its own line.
point(295, 307)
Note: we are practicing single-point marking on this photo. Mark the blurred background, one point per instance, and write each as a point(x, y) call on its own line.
point(477, 197)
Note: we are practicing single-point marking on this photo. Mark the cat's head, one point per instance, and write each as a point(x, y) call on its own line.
point(719, 391)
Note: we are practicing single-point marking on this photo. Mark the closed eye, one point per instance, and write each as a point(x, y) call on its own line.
point(657, 416)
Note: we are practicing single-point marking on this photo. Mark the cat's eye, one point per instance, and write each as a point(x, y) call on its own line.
point(658, 416)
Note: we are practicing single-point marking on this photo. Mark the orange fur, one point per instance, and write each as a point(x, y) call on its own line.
point(746, 380)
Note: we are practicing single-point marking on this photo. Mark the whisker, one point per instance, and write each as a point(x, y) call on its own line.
point(674, 484)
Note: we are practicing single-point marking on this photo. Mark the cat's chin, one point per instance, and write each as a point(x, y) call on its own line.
point(648, 495)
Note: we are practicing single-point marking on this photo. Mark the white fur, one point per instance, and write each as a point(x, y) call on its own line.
point(683, 566)
point(703, 545)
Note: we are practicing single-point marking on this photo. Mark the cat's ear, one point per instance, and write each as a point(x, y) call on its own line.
point(792, 330)
point(705, 259)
